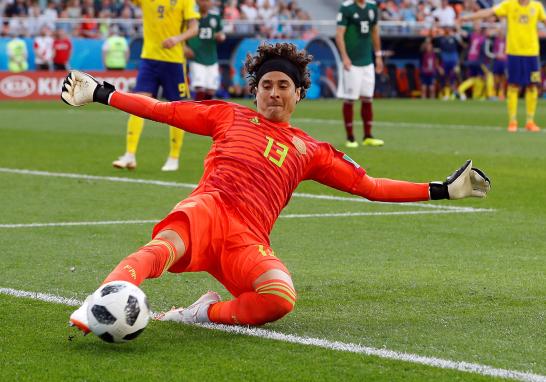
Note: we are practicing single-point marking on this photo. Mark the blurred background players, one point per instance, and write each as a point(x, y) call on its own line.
point(115, 50)
point(498, 54)
point(356, 33)
point(449, 44)
point(429, 68)
point(523, 50)
point(475, 64)
point(43, 49)
point(167, 26)
point(62, 47)
point(17, 55)
point(202, 50)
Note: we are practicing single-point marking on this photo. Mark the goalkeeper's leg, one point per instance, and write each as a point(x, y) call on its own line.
point(261, 284)
point(150, 261)
point(273, 297)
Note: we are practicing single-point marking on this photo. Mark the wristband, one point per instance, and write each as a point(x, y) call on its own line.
point(102, 93)
point(438, 190)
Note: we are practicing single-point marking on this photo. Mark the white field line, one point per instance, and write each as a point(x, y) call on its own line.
point(322, 343)
point(287, 216)
point(73, 224)
point(192, 186)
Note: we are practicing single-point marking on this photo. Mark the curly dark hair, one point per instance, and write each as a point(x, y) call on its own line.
point(286, 50)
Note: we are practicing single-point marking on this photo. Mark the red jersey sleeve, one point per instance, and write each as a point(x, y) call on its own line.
point(201, 118)
point(337, 170)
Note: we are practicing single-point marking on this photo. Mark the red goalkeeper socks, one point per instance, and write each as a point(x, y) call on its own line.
point(149, 261)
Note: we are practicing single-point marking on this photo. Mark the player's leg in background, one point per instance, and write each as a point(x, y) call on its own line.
point(348, 92)
point(175, 88)
point(348, 117)
point(147, 84)
point(213, 81)
point(531, 96)
point(367, 87)
point(467, 83)
point(512, 94)
point(197, 83)
point(135, 125)
point(515, 68)
point(531, 92)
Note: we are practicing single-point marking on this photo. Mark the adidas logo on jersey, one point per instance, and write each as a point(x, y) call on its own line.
point(254, 120)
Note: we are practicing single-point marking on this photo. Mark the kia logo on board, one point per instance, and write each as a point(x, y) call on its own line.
point(17, 86)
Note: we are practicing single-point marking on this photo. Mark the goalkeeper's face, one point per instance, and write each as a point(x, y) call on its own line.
point(276, 96)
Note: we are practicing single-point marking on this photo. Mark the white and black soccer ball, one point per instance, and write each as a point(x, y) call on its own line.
point(118, 311)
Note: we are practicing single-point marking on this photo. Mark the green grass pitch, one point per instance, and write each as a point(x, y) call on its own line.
point(467, 285)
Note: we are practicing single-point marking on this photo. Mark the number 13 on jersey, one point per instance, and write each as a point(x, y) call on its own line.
point(279, 154)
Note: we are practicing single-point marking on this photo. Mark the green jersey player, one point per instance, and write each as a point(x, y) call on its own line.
point(204, 71)
point(357, 31)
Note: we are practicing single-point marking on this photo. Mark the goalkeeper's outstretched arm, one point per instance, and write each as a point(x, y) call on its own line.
point(81, 88)
point(337, 170)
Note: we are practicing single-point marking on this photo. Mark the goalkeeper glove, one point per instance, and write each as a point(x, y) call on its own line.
point(80, 88)
point(463, 183)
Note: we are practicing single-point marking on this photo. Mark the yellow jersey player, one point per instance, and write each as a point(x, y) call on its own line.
point(168, 24)
point(523, 50)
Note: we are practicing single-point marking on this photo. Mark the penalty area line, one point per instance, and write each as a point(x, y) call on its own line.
point(193, 186)
point(322, 343)
point(287, 216)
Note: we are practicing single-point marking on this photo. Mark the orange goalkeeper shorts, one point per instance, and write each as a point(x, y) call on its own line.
point(218, 242)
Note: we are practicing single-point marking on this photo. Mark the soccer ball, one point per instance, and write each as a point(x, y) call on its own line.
point(118, 311)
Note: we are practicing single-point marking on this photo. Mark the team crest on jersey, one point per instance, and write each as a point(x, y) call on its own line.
point(213, 23)
point(532, 11)
point(173, 3)
point(299, 145)
point(355, 16)
point(254, 120)
point(371, 15)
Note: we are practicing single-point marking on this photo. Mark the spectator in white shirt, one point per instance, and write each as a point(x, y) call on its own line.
point(445, 14)
point(43, 49)
point(249, 10)
point(49, 16)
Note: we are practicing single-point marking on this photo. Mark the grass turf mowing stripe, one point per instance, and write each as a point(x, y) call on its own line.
point(288, 216)
point(405, 124)
point(192, 186)
point(333, 345)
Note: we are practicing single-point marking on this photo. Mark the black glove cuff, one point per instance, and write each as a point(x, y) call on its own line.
point(102, 93)
point(438, 191)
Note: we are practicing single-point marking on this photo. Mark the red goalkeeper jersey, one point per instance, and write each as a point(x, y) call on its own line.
point(255, 164)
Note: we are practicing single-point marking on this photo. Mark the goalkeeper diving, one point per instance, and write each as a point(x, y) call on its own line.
point(257, 160)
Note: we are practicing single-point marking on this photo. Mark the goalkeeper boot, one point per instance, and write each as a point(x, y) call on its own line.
point(79, 318)
point(513, 126)
point(532, 127)
point(196, 313)
point(170, 165)
point(127, 161)
point(374, 142)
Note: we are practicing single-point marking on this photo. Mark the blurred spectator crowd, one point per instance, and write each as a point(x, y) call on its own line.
point(93, 18)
